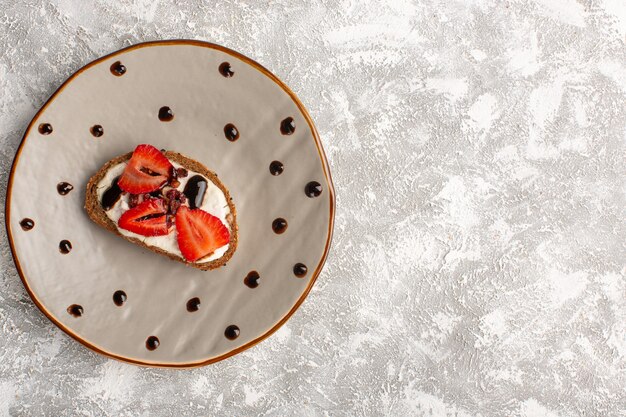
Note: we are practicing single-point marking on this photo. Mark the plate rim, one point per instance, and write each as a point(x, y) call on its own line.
point(325, 168)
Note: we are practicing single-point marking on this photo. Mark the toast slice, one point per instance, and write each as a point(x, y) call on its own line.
point(98, 215)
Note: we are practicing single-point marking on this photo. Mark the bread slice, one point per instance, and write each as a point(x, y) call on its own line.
point(98, 215)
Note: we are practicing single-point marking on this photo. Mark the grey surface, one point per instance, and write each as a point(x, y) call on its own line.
point(478, 267)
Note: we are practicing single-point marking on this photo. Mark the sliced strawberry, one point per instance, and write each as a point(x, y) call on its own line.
point(147, 219)
point(199, 233)
point(147, 170)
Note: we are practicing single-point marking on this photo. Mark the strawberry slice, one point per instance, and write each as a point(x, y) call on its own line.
point(147, 171)
point(147, 219)
point(199, 233)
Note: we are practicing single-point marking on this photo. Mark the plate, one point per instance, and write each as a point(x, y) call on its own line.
point(104, 110)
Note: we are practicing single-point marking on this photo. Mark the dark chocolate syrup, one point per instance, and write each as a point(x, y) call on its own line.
point(65, 246)
point(300, 270)
point(152, 343)
point(97, 130)
point(166, 114)
point(45, 128)
point(287, 126)
point(279, 225)
point(118, 69)
point(193, 305)
point(27, 224)
point(313, 189)
point(276, 168)
point(75, 310)
point(231, 332)
point(226, 70)
point(194, 191)
point(64, 188)
point(231, 132)
point(111, 195)
point(119, 298)
point(252, 279)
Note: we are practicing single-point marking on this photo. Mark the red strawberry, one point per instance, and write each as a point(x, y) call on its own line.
point(147, 219)
point(147, 170)
point(199, 233)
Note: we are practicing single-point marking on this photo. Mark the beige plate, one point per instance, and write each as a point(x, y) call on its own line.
point(183, 75)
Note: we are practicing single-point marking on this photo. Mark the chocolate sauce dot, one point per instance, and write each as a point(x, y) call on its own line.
point(287, 126)
point(97, 130)
point(165, 114)
point(226, 70)
point(45, 128)
point(276, 168)
point(279, 225)
point(65, 246)
point(27, 224)
point(231, 332)
point(75, 310)
point(231, 132)
point(118, 69)
point(152, 343)
point(313, 189)
point(193, 304)
point(252, 279)
point(64, 188)
point(119, 298)
point(300, 270)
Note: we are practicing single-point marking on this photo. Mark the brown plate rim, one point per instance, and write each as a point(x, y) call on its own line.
point(325, 167)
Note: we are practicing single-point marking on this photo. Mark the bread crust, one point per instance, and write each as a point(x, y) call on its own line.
point(97, 214)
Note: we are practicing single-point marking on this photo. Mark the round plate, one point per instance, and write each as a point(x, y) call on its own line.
point(204, 96)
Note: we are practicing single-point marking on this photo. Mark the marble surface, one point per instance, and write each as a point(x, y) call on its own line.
point(478, 268)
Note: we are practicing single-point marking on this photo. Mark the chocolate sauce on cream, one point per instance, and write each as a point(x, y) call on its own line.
point(194, 190)
point(111, 195)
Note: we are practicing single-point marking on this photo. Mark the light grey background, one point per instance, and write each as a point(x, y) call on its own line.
point(478, 268)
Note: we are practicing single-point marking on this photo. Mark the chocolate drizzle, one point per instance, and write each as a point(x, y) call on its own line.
point(64, 188)
point(152, 343)
point(118, 69)
point(231, 332)
point(252, 279)
point(65, 247)
point(119, 298)
point(226, 70)
point(287, 126)
point(27, 224)
point(193, 305)
point(75, 310)
point(166, 114)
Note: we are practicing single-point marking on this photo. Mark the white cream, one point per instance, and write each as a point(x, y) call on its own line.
point(214, 202)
